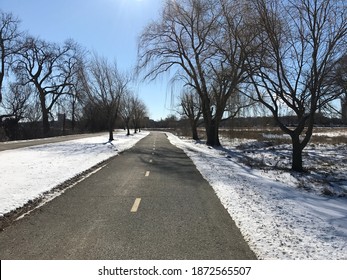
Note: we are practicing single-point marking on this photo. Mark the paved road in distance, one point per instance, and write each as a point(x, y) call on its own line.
point(27, 143)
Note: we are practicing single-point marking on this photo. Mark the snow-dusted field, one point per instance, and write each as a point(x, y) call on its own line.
point(282, 215)
point(27, 173)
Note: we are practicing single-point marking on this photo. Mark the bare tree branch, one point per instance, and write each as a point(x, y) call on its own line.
point(301, 41)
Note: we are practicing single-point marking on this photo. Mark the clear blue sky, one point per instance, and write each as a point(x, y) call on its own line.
point(108, 27)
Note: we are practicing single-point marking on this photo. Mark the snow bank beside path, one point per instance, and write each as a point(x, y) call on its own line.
point(278, 220)
point(27, 173)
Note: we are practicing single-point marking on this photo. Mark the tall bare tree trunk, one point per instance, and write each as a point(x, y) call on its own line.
point(297, 153)
point(45, 115)
point(344, 109)
point(194, 129)
point(111, 122)
point(212, 133)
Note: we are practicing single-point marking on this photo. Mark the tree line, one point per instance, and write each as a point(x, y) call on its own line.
point(288, 57)
point(39, 79)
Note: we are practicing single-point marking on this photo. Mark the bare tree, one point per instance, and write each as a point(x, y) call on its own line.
point(16, 102)
point(105, 85)
point(139, 113)
point(9, 46)
point(50, 68)
point(16, 105)
point(339, 79)
point(191, 106)
point(76, 97)
point(205, 43)
point(300, 41)
point(127, 110)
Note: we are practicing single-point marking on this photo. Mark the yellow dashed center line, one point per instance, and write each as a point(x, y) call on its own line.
point(135, 205)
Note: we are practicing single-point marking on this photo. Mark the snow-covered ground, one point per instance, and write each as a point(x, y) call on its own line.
point(27, 173)
point(281, 214)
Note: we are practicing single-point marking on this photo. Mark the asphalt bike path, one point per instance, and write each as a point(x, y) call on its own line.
point(150, 202)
